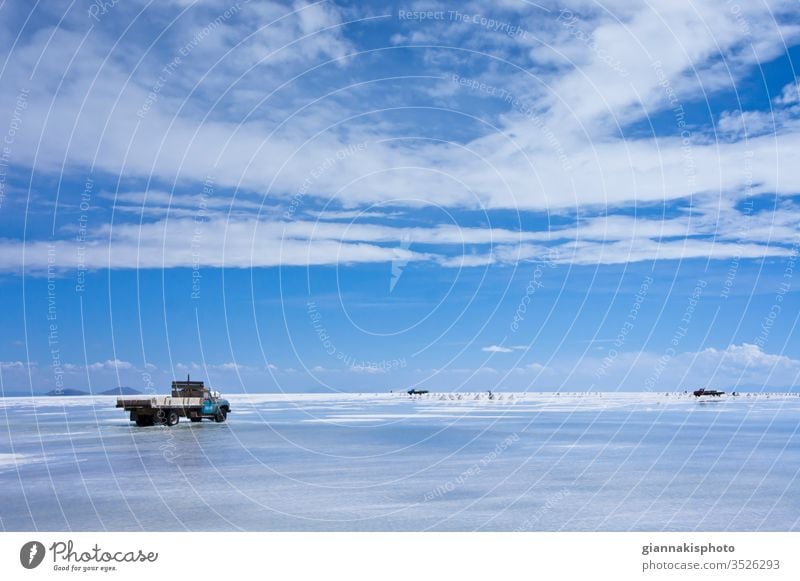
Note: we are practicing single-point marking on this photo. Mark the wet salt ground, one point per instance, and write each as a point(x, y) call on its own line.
point(386, 462)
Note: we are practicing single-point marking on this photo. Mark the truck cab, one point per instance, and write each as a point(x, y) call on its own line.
point(213, 405)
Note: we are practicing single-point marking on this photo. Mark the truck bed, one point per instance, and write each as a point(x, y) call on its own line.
point(160, 401)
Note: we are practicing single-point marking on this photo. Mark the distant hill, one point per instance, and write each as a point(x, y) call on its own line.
point(66, 392)
point(112, 391)
point(121, 391)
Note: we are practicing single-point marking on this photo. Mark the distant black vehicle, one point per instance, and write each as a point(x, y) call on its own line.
point(703, 391)
point(417, 391)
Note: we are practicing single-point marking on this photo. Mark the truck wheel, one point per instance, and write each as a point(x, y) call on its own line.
point(219, 417)
point(172, 418)
point(141, 421)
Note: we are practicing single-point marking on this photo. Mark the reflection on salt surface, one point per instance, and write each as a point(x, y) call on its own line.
point(390, 462)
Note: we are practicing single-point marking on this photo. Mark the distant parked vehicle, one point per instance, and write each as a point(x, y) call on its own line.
point(189, 399)
point(710, 392)
point(417, 391)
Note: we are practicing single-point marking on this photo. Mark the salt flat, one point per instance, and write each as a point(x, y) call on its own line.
point(611, 461)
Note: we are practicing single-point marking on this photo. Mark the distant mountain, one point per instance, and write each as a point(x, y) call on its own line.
point(72, 392)
point(66, 392)
point(121, 391)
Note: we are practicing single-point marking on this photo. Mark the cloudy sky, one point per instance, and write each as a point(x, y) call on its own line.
point(372, 196)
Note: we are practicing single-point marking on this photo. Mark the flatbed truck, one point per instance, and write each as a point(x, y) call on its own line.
point(189, 399)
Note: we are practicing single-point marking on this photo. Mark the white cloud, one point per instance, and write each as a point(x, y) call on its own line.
point(746, 357)
point(85, 114)
point(712, 229)
point(221, 368)
point(790, 95)
point(782, 118)
point(496, 349)
point(742, 366)
point(14, 365)
point(580, 104)
point(736, 366)
point(110, 365)
point(368, 369)
point(230, 366)
point(503, 349)
point(646, 250)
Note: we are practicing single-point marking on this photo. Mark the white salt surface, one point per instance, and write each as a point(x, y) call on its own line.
point(391, 462)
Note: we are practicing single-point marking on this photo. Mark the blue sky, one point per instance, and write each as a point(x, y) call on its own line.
point(373, 196)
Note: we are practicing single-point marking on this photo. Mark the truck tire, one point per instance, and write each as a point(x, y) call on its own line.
point(219, 417)
point(172, 418)
point(141, 421)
